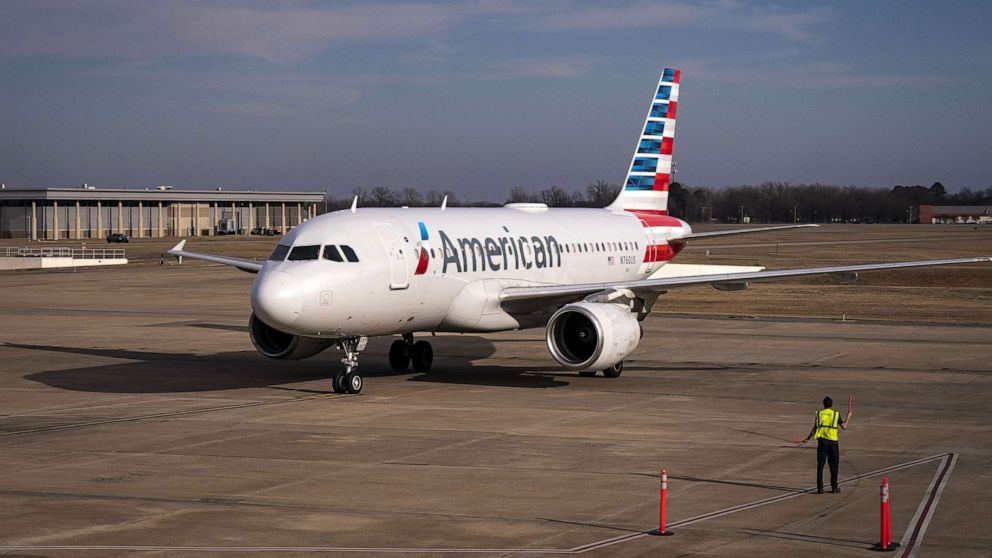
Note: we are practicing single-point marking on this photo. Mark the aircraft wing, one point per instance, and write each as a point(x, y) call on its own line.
point(250, 266)
point(546, 295)
point(712, 234)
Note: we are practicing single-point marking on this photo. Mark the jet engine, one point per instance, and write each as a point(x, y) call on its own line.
point(592, 335)
point(281, 345)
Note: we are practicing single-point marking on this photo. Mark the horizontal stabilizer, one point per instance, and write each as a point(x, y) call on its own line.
point(672, 270)
point(713, 234)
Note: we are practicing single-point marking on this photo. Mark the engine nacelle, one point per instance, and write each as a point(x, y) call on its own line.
point(281, 345)
point(592, 335)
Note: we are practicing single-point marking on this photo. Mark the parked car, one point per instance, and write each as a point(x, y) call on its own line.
point(117, 237)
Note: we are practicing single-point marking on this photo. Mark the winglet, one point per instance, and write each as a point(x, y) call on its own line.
point(354, 204)
point(177, 250)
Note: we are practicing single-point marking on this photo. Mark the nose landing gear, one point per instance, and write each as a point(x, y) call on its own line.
point(350, 381)
point(404, 352)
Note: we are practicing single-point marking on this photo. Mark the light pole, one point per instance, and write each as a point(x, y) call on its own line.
point(742, 215)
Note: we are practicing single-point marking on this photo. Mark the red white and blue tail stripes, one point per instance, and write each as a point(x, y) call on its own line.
point(649, 175)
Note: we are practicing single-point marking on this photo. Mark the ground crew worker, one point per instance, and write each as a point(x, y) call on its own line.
point(825, 426)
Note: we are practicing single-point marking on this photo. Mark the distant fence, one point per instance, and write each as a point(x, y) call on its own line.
point(64, 252)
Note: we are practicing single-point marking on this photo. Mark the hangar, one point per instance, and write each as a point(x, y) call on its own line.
point(89, 212)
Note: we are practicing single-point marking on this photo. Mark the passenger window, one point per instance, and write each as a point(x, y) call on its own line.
point(349, 253)
point(279, 254)
point(302, 253)
point(331, 253)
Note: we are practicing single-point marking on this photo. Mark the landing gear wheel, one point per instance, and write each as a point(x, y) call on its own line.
point(422, 356)
point(614, 371)
point(338, 382)
point(352, 382)
point(587, 373)
point(399, 355)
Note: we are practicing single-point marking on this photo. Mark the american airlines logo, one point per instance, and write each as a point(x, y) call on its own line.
point(499, 253)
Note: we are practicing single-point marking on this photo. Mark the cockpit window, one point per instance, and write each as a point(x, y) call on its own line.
point(331, 253)
point(301, 253)
point(349, 253)
point(279, 254)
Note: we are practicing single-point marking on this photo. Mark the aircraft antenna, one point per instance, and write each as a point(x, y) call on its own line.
point(444, 203)
point(354, 204)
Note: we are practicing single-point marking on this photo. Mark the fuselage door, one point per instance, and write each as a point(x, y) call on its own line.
point(396, 252)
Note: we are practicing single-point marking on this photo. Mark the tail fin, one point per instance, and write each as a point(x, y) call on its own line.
point(646, 186)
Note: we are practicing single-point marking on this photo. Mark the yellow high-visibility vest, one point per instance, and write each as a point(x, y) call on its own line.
point(827, 421)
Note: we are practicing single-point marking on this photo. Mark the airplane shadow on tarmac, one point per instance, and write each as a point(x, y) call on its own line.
point(165, 372)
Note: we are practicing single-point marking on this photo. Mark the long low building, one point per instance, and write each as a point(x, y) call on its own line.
point(87, 212)
point(950, 214)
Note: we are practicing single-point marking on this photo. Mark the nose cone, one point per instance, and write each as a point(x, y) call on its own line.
point(277, 298)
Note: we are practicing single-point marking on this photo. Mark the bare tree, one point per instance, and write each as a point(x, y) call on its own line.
point(519, 194)
point(556, 196)
point(411, 197)
point(380, 196)
point(601, 193)
point(434, 198)
point(362, 194)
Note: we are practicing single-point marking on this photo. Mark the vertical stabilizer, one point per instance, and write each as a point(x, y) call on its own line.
point(650, 172)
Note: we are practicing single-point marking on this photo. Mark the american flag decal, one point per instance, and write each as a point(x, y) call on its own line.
point(611, 260)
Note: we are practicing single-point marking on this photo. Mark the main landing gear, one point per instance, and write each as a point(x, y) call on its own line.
point(611, 372)
point(404, 352)
point(350, 381)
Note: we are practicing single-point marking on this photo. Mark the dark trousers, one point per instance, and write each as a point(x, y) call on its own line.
point(827, 451)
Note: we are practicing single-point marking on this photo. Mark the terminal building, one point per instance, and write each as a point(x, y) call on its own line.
point(951, 214)
point(88, 212)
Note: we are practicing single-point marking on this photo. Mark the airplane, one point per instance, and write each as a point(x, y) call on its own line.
point(586, 275)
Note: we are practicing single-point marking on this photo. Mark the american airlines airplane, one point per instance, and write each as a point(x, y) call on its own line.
point(586, 275)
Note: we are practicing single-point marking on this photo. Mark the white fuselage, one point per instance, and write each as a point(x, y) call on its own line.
point(427, 269)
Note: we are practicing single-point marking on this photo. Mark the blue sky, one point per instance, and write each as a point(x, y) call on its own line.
point(480, 97)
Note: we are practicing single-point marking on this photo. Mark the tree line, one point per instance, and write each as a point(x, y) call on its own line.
point(770, 202)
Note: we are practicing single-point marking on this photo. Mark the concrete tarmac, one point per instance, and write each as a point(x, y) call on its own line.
point(137, 420)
